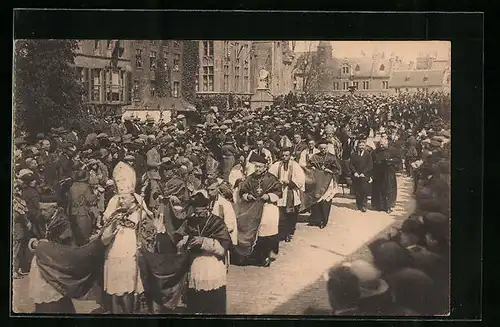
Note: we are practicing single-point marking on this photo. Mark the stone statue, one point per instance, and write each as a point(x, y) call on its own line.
point(263, 79)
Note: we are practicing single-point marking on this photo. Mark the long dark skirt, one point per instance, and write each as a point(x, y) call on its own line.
point(287, 222)
point(206, 302)
point(320, 213)
point(129, 303)
point(64, 305)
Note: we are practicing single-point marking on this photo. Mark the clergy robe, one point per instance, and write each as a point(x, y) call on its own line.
point(256, 218)
point(322, 186)
point(293, 179)
point(384, 189)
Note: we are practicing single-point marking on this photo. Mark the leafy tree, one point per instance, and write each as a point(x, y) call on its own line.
point(47, 88)
point(190, 69)
point(307, 68)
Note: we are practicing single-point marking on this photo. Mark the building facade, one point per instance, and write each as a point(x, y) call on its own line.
point(420, 81)
point(156, 69)
point(117, 73)
point(232, 67)
point(224, 67)
point(368, 75)
point(277, 58)
point(107, 85)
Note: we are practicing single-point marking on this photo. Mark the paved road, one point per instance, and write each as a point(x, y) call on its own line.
point(293, 282)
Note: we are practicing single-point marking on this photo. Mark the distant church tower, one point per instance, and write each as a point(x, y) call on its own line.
point(325, 52)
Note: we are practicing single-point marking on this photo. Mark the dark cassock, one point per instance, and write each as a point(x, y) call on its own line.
point(62, 271)
point(361, 164)
point(257, 215)
point(321, 184)
point(384, 189)
point(206, 239)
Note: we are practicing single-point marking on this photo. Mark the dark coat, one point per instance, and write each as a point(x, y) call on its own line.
point(80, 201)
point(361, 164)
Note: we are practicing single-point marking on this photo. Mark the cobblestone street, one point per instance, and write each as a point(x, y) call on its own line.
point(293, 282)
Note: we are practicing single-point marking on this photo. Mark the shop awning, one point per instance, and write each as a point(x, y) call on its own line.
point(162, 104)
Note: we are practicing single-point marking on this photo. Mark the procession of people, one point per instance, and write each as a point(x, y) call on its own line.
point(147, 215)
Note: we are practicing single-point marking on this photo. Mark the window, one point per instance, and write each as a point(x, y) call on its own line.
point(138, 58)
point(345, 70)
point(165, 61)
point(237, 83)
point(335, 86)
point(366, 85)
point(426, 78)
point(406, 89)
point(357, 68)
point(407, 78)
point(97, 47)
point(208, 78)
point(85, 82)
point(226, 83)
point(247, 85)
point(113, 86)
point(245, 71)
point(208, 48)
point(152, 88)
point(176, 90)
point(397, 90)
point(226, 50)
point(382, 68)
point(177, 60)
point(197, 83)
point(385, 85)
point(152, 60)
point(345, 86)
point(355, 84)
point(129, 87)
point(95, 80)
point(226, 78)
point(135, 89)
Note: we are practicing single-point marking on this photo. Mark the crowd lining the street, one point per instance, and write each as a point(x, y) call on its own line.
point(149, 215)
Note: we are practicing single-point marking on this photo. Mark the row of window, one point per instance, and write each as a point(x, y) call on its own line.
point(110, 86)
point(153, 90)
point(153, 60)
point(99, 83)
point(423, 89)
point(345, 70)
point(365, 85)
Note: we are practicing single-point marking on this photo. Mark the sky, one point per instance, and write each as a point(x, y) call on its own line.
point(408, 50)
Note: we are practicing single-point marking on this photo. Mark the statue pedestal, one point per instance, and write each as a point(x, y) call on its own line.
point(261, 98)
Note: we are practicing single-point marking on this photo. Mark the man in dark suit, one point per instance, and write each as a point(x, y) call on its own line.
point(361, 165)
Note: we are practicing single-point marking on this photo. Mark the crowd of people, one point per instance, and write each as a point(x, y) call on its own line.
point(145, 215)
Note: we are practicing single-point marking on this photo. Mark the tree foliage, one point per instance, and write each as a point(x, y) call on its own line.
point(307, 67)
point(47, 87)
point(190, 65)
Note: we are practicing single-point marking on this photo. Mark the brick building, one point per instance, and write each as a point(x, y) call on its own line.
point(277, 58)
point(106, 87)
point(224, 67)
point(227, 67)
point(420, 80)
point(145, 71)
point(366, 74)
point(156, 69)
